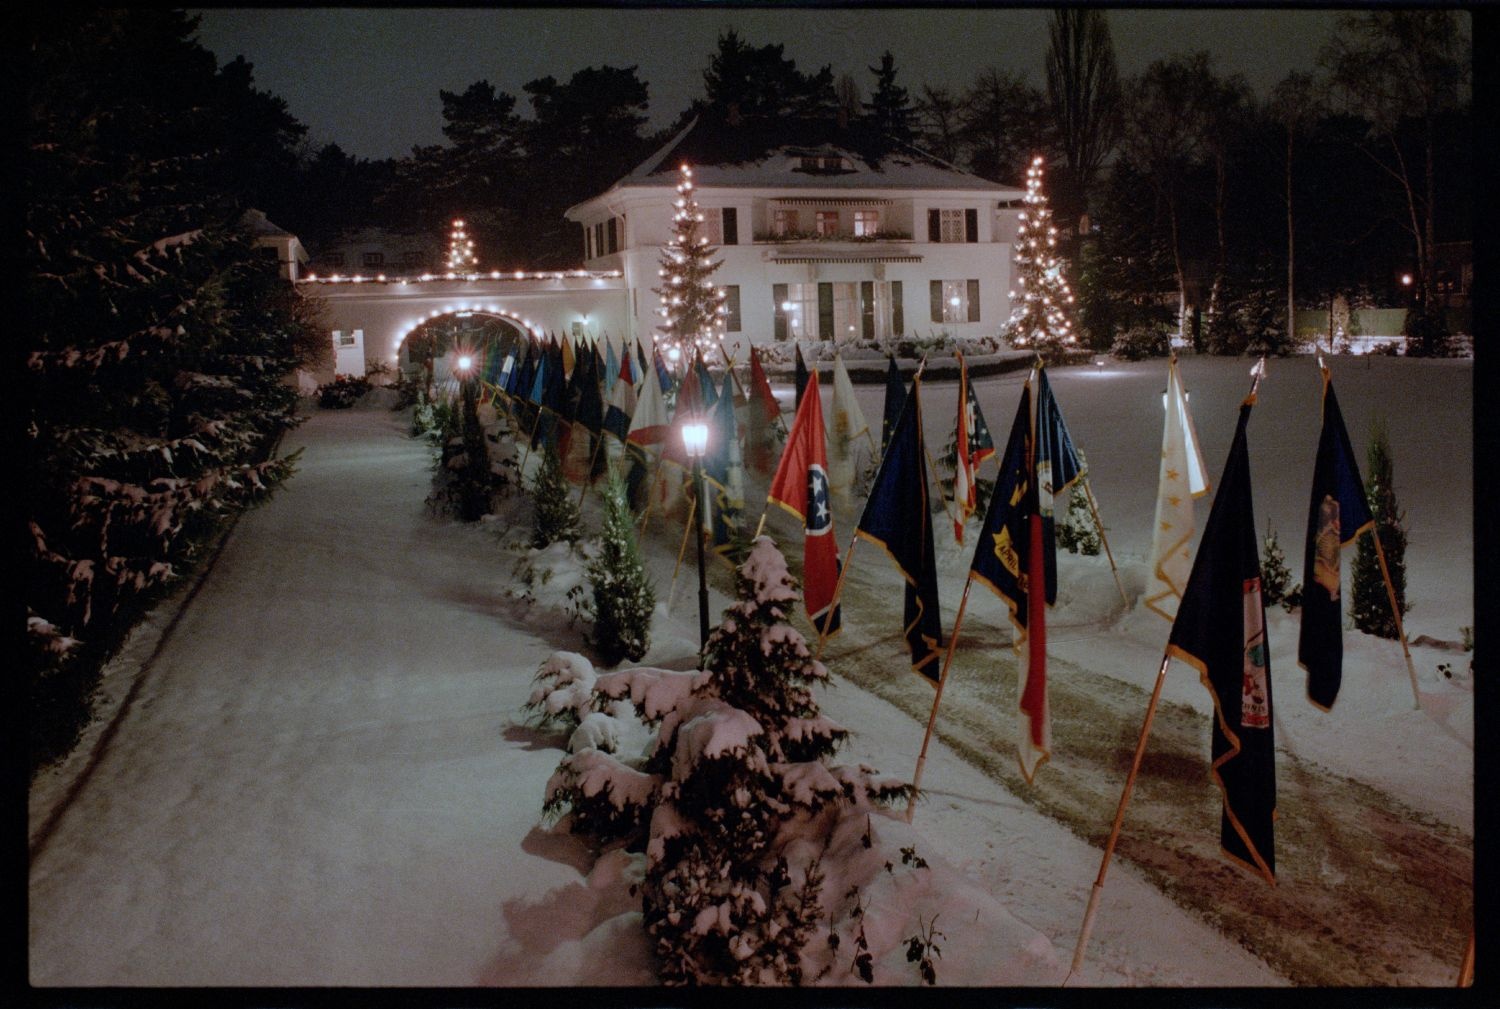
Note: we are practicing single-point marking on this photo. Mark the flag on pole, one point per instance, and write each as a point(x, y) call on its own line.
point(691, 402)
point(847, 422)
point(897, 519)
point(1010, 560)
point(640, 359)
point(724, 474)
point(663, 376)
point(800, 485)
point(620, 410)
point(895, 397)
point(1056, 467)
point(1336, 515)
point(1182, 477)
point(800, 375)
point(973, 445)
point(761, 418)
point(649, 423)
point(1220, 630)
point(611, 365)
point(706, 390)
point(569, 359)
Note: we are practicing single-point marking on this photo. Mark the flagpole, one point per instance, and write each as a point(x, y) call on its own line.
point(530, 437)
point(1390, 590)
point(958, 620)
point(838, 592)
point(692, 510)
point(1466, 969)
point(1099, 524)
point(651, 494)
point(593, 460)
point(1114, 833)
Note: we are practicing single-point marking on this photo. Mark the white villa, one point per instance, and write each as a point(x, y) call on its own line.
point(818, 241)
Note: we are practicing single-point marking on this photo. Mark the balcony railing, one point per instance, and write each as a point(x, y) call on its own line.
point(838, 236)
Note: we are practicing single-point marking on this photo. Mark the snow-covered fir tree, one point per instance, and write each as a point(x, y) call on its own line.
point(1371, 605)
point(159, 341)
point(475, 478)
point(1076, 532)
point(555, 513)
point(1276, 585)
point(1041, 319)
point(693, 309)
point(623, 596)
point(737, 769)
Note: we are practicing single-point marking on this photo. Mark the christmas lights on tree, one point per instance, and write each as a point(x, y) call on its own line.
point(693, 308)
point(461, 258)
point(1040, 318)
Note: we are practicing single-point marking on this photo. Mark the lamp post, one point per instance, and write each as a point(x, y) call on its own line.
point(695, 443)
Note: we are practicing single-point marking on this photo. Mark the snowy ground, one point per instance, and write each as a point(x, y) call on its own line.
point(325, 778)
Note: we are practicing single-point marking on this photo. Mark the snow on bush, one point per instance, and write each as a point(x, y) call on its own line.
point(563, 689)
point(735, 774)
point(597, 731)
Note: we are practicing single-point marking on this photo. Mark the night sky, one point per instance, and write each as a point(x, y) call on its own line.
point(368, 79)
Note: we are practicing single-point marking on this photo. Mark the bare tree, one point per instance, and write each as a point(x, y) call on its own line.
point(1163, 138)
point(846, 89)
point(938, 122)
point(1225, 108)
point(1083, 91)
point(1293, 102)
point(1395, 67)
point(1003, 125)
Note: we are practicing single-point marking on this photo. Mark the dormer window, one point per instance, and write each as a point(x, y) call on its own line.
point(822, 164)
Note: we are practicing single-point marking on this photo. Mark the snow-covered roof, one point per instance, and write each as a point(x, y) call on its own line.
point(766, 155)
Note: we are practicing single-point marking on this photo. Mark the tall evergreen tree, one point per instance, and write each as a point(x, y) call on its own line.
point(889, 108)
point(1042, 318)
point(743, 81)
point(159, 341)
point(1083, 92)
point(624, 598)
point(1371, 607)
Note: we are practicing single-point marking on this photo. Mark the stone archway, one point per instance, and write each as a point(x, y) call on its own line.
point(432, 347)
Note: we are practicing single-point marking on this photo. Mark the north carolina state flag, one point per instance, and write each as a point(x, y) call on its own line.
point(801, 487)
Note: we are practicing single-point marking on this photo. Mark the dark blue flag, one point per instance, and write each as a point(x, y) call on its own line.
point(1336, 515)
point(1220, 630)
point(895, 398)
point(1057, 468)
point(801, 374)
point(1000, 554)
point(897, 519)
point(706, 386)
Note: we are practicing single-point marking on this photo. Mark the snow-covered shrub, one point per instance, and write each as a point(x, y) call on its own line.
point(597, 731)
point(1140, 342)
point(624, 598)
point(343, 392)
point(1077, 533)
point(1276, 584)
point(562, 692)
point(555, 516)
point(1371, 606)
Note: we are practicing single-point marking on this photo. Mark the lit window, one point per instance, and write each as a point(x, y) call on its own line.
point(866, 223)
point(783, 222)
point(951, 223)
point(827, 223)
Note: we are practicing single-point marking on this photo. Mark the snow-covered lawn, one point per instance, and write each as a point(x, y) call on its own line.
point(326, 777)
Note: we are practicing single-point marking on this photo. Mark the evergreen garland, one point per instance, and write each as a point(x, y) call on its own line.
point(556, 513)
point(1371, 607)
point(623, 596)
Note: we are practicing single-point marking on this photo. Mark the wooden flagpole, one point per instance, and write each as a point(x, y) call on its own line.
point(692, 510)
point(838, 592)
point(593, 460)
point(1390, 590)
point(1114, 833)
point(958, 620)
point(1099, 524)
point(650, 493)
point(1466, 969)
point(530, 437)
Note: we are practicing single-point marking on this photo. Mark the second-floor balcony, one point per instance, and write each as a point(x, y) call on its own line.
point(791, 237)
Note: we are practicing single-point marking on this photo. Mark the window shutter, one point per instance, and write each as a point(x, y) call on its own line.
point(971, 225)
point(588, 243)
point(825, 312)
point(732, 304)
point(934, 225)
point(898, 316)
point(599, 239)
point(867, 309)
point(937, 300)
point(731, 226)
point(973, 301)
point(778, 293)
point(612, 236)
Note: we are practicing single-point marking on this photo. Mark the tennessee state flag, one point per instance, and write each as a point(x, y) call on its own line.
point(800, 485)
point(1220, 630)
point(1337, 514)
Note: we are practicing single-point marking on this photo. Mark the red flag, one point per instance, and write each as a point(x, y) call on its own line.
point(801, 487)
point(965, 498)
point(1036, 719)
point(689, 404)
point(763, 413)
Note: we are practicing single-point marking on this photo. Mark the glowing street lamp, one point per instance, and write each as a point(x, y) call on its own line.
point(695, 444)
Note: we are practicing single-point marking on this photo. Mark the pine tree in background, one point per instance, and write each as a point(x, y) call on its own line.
point(692, 307)
point(1371, 607)
point(1040, 319)
point(556, 513)
point(461, 258)
point(889, 108)
point(1275, 577)
point(623, 596)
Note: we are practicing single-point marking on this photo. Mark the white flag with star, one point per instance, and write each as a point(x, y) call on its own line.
point(1182, 479)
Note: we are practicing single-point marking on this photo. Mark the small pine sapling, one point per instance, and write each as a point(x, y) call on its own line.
point(556, 512)
point(1077, 533)
point(624, 598)
point(1276, 584)
point(1371, 606)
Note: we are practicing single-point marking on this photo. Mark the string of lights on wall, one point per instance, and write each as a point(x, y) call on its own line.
point(381, 278)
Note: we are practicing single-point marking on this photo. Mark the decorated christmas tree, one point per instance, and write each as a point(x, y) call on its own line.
point(461, 258)
point(1043, 301)
point(692, 308)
